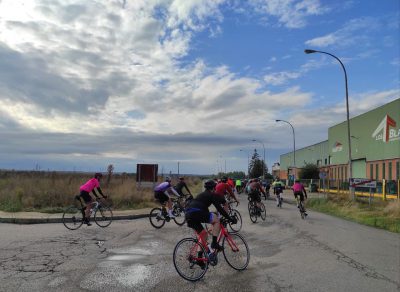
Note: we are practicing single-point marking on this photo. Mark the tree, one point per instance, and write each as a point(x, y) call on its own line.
point(256, 165)
point(110, 170)
point(309, 171)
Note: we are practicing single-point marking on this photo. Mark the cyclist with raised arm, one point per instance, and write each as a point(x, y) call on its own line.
point(197, 212)
point(255, 191)
point(299, 191)
point(277, 186)
point(163, 192)
point(90, 187)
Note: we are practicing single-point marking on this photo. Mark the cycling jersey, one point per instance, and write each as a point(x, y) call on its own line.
point(298, 187)
point(90, 185)
point(223, 188)
point(179, 186)
point(162, 187)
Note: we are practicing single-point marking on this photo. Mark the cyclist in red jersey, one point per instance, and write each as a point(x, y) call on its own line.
point(86, 189)
point(222, 189)
point(299, 190)
point(255, 190)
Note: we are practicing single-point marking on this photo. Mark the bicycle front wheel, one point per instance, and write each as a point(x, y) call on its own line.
point(156, 218)
point(190, 259)
point(236, 251)
point(73, 218)
point(103, 216)
point(263, 212)
point(179, 214)
point(235, 227)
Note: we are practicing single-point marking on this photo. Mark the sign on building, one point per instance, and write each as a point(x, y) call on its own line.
point(363, 183)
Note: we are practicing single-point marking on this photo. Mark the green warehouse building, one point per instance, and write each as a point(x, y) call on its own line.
point(375, 149)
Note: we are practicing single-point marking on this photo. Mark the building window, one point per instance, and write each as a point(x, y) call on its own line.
point(390, 170)
point(383, 170)
point(398, 169)
point(345, 172)
point(371, 171)
point(326, 161)
point(377, 171)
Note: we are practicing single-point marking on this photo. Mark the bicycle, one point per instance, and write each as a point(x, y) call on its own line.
point(158, 216)
point(234, 213)
point(192, 256)
point(255, 211)
point(279, 200)
point(302, 210)
point(74, 216)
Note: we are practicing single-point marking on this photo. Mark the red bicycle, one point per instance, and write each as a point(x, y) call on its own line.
point(192, 256)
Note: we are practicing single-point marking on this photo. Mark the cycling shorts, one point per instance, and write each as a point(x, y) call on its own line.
point(195, 218)
point(161, 197)
point(255, 196)
point(300, 194)
point(85, 196)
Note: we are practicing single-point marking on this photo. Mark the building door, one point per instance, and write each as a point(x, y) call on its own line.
point(359, 168)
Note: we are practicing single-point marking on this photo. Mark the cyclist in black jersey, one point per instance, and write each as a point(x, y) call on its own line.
point(180, 185)
point(197, 212)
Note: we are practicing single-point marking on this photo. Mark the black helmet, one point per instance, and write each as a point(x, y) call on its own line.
point(210, 184)
point(168, 179)
point(98, 175)
point(224, 179)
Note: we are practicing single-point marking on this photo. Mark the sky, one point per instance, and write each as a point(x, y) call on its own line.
point(85, 84)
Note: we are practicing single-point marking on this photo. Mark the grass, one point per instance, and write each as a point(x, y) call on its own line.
point(51, 192)
point(380, 214)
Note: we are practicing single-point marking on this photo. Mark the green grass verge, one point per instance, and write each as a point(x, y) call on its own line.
point(358, 211)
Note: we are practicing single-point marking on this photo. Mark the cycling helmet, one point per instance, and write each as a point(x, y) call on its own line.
point(98, 175)
point(224, 179)
point(168, 179)
point(209, 185)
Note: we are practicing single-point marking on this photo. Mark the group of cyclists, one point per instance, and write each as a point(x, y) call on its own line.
point(197, 212)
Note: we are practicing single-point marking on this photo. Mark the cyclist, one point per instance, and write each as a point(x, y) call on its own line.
point(222, 189)
point(180, 185)
point(162, 193)
point(197, 212)
point(277, 186)
point(238, 184)
point(86, 189)
point(255, 191)
point(299, 190)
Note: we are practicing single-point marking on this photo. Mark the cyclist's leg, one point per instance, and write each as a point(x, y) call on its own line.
point(87, 198)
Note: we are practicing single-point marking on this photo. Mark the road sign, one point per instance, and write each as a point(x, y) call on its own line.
point(363, 183)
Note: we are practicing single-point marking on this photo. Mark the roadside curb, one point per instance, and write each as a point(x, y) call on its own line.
point(59, 220)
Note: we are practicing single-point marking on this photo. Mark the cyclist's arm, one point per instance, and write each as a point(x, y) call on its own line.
point(305, 193)
point(186, 187)
point(100, 192)
point(173, 191)
point(218, 201)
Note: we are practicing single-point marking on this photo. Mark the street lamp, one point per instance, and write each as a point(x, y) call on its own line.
point(264, 165)
point(308, 51)
point(294, 146)
point(248, 162)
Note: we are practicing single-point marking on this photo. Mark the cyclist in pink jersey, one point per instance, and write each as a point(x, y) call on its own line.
point(299, 190)
point(86, 189)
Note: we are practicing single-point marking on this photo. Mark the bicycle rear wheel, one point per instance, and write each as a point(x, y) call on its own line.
point(190, 259)
point(236, 252)
point(252, 212)
point(263, 212)
point(156, 218)
point(73, 218)
point(103, 216)
point(235, 227)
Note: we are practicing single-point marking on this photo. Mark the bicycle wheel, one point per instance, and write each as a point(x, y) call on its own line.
point(179, 216)
point(190, 259)
point(263, 212)
point(156, 218)
point(252, 212)
point(236, 252)
point(235, 227)
point(103, 216)
point(73, 218)
point(301, 208)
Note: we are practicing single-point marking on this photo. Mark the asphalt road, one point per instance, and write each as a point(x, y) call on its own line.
point(321, 253)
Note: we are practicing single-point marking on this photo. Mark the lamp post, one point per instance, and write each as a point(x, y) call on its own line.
point(248, 162)
point(264, 164)
point(294, 146)
point(308, 51)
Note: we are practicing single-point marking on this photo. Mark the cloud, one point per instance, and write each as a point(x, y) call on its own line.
point(352, 32)
point(290, 13)
point(280, 78)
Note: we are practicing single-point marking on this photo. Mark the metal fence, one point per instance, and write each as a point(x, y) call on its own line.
point(385, 189)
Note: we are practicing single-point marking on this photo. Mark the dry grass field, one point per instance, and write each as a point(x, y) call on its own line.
point(52, 191)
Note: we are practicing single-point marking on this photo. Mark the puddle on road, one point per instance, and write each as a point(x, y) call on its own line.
point(125, 257)
point(134, 275)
